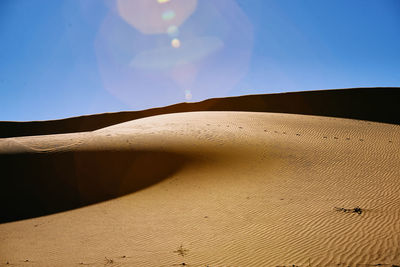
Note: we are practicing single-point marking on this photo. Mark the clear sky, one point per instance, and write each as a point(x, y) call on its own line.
point(73, 57)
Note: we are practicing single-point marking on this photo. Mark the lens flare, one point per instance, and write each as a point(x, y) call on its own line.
point(176, 43)
point(173, 31)
point(188, 95)
point(156, 50)
point(154, 17)
point(163, 58)
point(168, 15)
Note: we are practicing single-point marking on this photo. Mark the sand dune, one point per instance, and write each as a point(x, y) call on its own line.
point(373, 104)
point(204, 189)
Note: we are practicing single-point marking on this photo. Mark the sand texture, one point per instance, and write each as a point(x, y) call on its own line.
point(204, 189)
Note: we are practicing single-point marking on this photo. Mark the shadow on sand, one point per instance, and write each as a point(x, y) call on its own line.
point(36, 184)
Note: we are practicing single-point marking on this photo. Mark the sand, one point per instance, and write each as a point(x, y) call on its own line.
point(204, 189)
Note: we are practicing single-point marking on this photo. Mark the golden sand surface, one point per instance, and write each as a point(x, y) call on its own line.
point(205, 189)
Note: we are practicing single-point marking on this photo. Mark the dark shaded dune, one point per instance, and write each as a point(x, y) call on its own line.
point(373, 104)
point(35, 184)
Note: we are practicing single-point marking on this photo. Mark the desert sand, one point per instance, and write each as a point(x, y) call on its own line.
point(209, 188)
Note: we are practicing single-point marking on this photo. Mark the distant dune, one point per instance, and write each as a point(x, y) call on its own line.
point(373, 104)
point(229, 185)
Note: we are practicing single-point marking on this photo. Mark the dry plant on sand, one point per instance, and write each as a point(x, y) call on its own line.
point(181, 251)
point(357, 210)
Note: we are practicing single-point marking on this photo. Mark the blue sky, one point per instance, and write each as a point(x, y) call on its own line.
point(73, 57)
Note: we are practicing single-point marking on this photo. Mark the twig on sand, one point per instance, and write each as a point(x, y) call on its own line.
point(109, 261)
point(181, 251)
point(357, 210)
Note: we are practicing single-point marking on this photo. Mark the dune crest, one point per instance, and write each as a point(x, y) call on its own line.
point(373, 104)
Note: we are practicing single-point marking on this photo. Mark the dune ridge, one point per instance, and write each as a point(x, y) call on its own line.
point(253, 189)
point(373, 104)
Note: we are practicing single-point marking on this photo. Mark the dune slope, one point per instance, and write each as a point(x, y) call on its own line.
point(244, 189)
